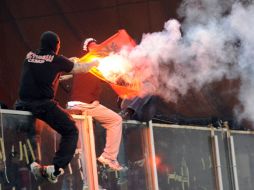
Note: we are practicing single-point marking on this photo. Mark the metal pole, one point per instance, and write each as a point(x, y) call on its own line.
point(153, 163)
point(218, 163)
point(232, 159)
point(92, 152)
point(216, 156)
point(234, 166)
point(82, 127)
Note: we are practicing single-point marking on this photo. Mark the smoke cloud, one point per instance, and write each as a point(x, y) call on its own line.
point(214, 41)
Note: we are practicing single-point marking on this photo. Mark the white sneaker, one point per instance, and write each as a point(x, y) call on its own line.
point(49, 172)
point(112, 164)
point(36, 169)
point(46, 172)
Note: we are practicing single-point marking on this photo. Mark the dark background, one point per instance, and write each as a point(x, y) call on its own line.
point(22, 22)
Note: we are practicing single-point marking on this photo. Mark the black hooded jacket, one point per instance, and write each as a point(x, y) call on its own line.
point(42, 68)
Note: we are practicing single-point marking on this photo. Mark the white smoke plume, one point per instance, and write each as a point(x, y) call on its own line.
point(214, 41)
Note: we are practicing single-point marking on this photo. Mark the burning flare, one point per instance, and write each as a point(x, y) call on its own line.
point(114, 68)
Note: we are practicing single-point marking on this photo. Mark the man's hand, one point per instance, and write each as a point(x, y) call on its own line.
point(74, 59)
point(65, 77)
point(84, 67)
point(96, 63)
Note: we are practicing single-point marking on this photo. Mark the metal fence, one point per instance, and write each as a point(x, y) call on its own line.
point(158, 156)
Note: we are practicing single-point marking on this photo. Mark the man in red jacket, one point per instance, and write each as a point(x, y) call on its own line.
point(86, 89)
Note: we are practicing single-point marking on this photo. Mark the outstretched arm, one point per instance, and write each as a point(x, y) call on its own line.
point(82, 67)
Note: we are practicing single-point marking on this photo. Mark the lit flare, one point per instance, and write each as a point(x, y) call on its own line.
point(114, 68)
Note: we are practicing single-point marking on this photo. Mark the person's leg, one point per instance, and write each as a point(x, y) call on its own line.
point(58, 119)
point(112, 122)
point(139, 102)
point(140, 109)
point(55, 116)
point(131, 108)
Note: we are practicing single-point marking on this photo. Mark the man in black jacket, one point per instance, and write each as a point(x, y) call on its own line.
point(41, 71)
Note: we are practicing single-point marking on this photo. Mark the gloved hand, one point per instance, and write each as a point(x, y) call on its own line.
point(87, 42)
point(74, 59)
point(95, 63)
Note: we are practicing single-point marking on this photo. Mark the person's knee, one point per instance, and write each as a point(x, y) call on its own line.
point(75, 131)
point(72, 131)
point(118, 119)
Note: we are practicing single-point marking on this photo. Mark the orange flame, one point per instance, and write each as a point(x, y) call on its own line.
point(113, 68)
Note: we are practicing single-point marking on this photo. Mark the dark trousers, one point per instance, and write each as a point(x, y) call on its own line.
point(144, 108)
point(58, 119)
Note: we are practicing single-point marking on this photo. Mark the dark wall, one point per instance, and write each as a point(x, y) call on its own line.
point(22, 22)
